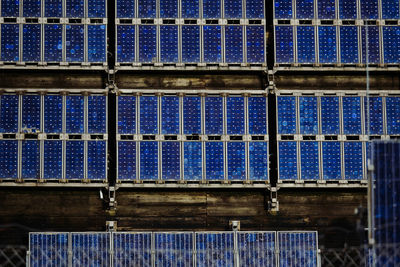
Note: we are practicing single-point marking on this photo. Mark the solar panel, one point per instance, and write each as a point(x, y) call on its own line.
point(212, 43)
point(391, 44)
point(257, 107)
point(349, 44)
point(213, 115)
point(351, 115)
point(8, 159)
point(283, 9)
point(284, 44)
point(147, 43)
point(256, 249)
point(74, 8)
point(233, 44)
point(74, 160)
point(48, 249)
point(308, 115)
point(96, 8)
point(9, 42)
point(254, 9)
point(31, 113)
point(96, 162)
point(147, 8)
point(331, 160)
point(215, 249)
point(347, 9)
point(286, 114)
point(125, 9)
point(190, 8)
point(306, 44)
point(373, 44)
point(353, 165)
point(52, 160)
point(30, 159)
point(393, 115)
point(148, 160)
point(173, 249)
point(53, 8)
point(170, 114)
point(126, 160)
point(304, 9)
point(148, 115)
point(74, 114)
point(171, 161)
point(125, 43)
point(287, 160)
point(9, 8)
point(326, 9)
point(235, 115)
point(233, 9)
point(96, 43)
point(330, 115)
point(214, 161)
point(255, 44)
point(309, 160)
point(168, 8)
point(169, 43)
point(192, 161)
point(191, 115)
point(9, 113)
point(375, 119)
point(390, 9)
point(90, 249)
point(236, 161)
point(258, 161)
point(327, 44)
point(126, 114)
point(53, 108)
point(132, 249)
point(53, 44)
point(298, 249)
point(211, 9)
point(97, 114)
point(190, 43)
point(74, 44)
point(31, 42)
point(369, 9)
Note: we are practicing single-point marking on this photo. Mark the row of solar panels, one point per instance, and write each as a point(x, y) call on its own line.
point(222, 249)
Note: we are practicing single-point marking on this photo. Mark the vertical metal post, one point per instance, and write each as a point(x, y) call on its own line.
point(69, 250)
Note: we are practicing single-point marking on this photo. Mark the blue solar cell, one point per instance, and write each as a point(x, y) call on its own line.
point(30, 113)
point(48, 249)
point(351, 115)
point(327, 44)
point(393, 115)
point(9, 8)
point(234, 44)
point(170, 114)
point(256, 249)
point(235, 115)
point(169, 43)
point(287, 160)
point(173, 249)
point(236, 161)
point(211, 9)
point(91, 249)
point(212, 44)
point(74, 8)
point(74, 160)
point(214, 161)
point(258, 157)
point(326, 9)
point(96, 162)
point(74, 43)
point(192, 161)
point(233, 9)
point(190, 8)
point(125, 43)
point(353, 165)
point(52, 160)
point(30, 159)
point(257, 115)
point(255, 44)
point(373, 44)
point(53, 8)
point(132, 249)
point(147, 43)
point(213, 115)
point(309, 160)
point(168, 8)
point(31, 42)
point(286, 115)
point(391, 44)
point(125, 9)
point(284, 44)
point(254, 9)
point(8, 159)
point(126, 160)
point(96, 8)
point(190, 43)
point(215, 249)
point(305, 9)
point(74, 114)
point(53, 44)
point(9, 114)
point(148, 115)
point(53, 105)
point(10, 42)
point(369, 9)
point(171, 161)
point(298, 249)
point(126, 114)
point(147, 8)
point(306, 44)
point(331, 160)
point(330, 115)
point(375, 118)
point(191, 115)
point(96, 43)
point(390, 9)
point(32, 8)
point(283, 9)
point(148, 160)
point(308, 115)
point(347, 9)
point(349, 44)
point(97, 114)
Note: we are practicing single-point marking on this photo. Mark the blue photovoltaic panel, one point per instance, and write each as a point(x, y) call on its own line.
point(373, 44)
point(233, 9)
point(233, 44)
point(53, 105)
point(391, 44)
point(168, 8)
point(305, 9)
point(125, 9)
point(331, 160)
point(236, 161)
point(258, 157)
point(9, 8)
point(308, 115)
point(309, 160)
point(97, 114)
point(390, 9)
point(257, 107)
point(96, 43)
point(30, 159)
point(53, 8)
point(190, 9)
point(283, 9)
point(305, 44)
point(330, 115)
point(74, 43)
point(9, 113)
point(327, 44)
point(147, 43)
point(284, 44)
point(132, 249)
point(326, 9)
point(190, 43)
point(351, 115)
point(286, 114)
point(8, 158)
point(31, 42)
point(30, 113)
point(74, 8)
point(147, 8)
point(256, 249)
point(369, 9)
point(191, 115)
point(96, 162)
point(255, 44)
point(349, 44)
point(235, 115)
point(148, 160)
point(254, 9)
point(173, 249)
point(375, 115)
point(347, 9)
point(48, 249)
point(52, 160)
point(170, 114)
point(393, 115)
point(213, 115)
point(215, 249)
point(53, 42)
point(215, 161)
point(74, 114)
point(126, 160)
point(126, 114)
point(96, 8)
point(125, 43)
point(211, 9)
point(298, 249)
point(169, 43)
point(212, 44)
point(90, 249)
point(287, 161)
point(192, 161)
point(74, 160)
point(148, 115)
point(171, 161)
point(353, 162)
point(9, 42)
